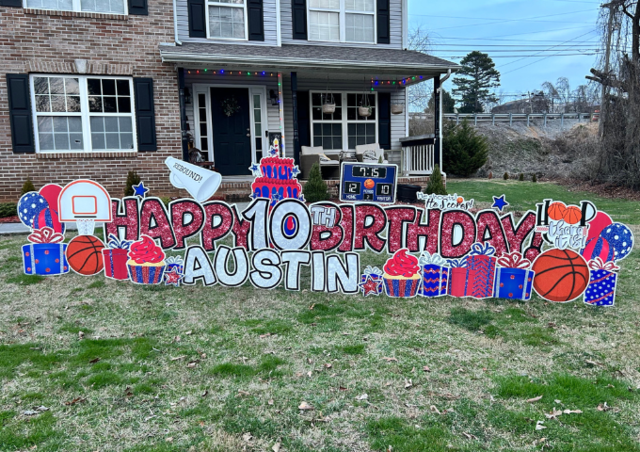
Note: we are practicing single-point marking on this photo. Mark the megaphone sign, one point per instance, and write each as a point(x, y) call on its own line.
point(199, 182)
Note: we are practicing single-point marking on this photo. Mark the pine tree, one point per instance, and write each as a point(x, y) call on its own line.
point(478, 76)
point(521, 177)
point(315, 189)
point(465, 150)
point(506, 176)
point(27, 186)
point(436, 183)
point(534, 178)
point(448, 103)
point(132, 179)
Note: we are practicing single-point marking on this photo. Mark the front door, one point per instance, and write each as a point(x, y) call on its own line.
point(231, 130)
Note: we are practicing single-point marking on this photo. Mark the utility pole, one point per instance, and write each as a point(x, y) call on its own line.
point(607, 67)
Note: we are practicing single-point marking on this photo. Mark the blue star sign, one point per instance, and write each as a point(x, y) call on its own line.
point(140, 190)
point(500, 203)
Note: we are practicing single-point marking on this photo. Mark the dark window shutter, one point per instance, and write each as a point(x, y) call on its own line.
point(304, 125)
point(384, 22)
point(13, 3)
point(299, 19)
point(138, 8)
point(256, 20)
point(20, 113)
point(145, 116)
point(197, 26)
point(384, 120)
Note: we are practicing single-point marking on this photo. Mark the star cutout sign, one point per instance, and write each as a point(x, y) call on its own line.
point(295, 171)
point(370, 287)
point(172, 277)
point(499, 203)
point(255, 169)
point(140, 190)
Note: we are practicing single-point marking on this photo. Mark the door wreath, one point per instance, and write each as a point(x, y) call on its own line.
point(230, 106)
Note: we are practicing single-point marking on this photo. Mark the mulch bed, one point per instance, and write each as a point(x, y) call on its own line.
point(13, 219)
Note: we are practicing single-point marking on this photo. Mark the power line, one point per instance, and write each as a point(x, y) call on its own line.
point(520, 56)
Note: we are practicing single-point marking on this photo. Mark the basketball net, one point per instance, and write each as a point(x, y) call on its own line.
point(85, 226)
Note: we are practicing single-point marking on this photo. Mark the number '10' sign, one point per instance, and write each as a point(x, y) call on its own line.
point(368, 182)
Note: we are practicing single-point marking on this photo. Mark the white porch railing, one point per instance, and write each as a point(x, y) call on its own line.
point(418, 155)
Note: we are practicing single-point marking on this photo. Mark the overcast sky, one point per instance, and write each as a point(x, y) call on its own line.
point(506, 28)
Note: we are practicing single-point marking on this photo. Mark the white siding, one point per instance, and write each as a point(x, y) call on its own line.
point(395, 19)
point(270, 26)
point(398, 122)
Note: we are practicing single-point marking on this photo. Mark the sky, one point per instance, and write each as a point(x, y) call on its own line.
point(511, 31)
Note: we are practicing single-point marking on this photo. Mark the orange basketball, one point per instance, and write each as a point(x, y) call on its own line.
point(460, 200)
point(369, 184)
point(560, 275)
point(84, 255)
point(556, 211)
point(572, 215)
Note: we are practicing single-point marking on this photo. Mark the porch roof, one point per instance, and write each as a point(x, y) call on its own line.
point(308, 57)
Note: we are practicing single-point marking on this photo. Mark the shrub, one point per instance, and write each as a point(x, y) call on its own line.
point(27, 186)
point(315, 189)
point(490, 175)
point(534, 178)
point(436, 184)
point(465, 151)
point(506, 176)
point(8, 209)
point(132, 179)
point(521, 177)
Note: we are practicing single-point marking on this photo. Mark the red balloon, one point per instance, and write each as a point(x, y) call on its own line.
point(50, 193)
point(594, 242)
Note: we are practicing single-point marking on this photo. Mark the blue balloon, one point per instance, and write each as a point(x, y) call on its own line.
point(29, 208)
point(620, 240)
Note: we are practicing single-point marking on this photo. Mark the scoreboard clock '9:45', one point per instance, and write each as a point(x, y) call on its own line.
point(368, 182)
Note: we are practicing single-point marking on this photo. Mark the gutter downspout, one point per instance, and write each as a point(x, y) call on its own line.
point(175, 23)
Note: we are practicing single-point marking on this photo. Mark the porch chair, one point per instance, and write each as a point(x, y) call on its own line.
point(329, 164)
point(370, 153)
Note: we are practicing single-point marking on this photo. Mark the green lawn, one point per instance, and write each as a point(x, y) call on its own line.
point(92, 364)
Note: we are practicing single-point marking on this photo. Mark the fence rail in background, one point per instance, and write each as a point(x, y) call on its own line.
point(418, 155)
point(476, 118)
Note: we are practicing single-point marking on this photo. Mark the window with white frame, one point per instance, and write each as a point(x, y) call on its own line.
point(342, 20)
point(94, 6)
point(345, 128)
point(227, 19)
point(83, 113)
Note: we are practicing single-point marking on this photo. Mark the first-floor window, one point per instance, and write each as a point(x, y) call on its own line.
point(227, 19)
point(94, 6)
point(83, 113)
point(345, 128)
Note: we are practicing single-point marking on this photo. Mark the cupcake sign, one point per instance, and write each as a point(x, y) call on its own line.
point(561, 252)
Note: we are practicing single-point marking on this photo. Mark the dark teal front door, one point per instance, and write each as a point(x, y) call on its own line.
point(231, 130)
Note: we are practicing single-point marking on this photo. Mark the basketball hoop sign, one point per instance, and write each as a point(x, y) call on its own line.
point(84, 202)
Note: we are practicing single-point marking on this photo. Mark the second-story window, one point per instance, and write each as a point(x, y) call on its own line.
point(93, 6)
point(227, 19)
point(342, 20)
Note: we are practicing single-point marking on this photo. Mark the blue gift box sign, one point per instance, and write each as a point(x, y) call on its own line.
point(45, 259)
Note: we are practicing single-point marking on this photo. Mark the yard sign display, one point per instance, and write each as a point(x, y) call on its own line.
point(446, 248)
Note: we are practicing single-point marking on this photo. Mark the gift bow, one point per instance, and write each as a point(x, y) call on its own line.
point(482, 249)
point(432, 259)
point(458, 263)
point(45, 235)
point(117, 244)
point(373, 271)
point(514, 260)
point(598, 264)
point(174, 260)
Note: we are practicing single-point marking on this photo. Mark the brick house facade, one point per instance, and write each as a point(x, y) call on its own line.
point(35, 41)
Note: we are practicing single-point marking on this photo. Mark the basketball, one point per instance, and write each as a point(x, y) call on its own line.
point(560, 275)
point(369, 184)
point(556, 211)
point(572, 215)
point(84, 255)
point(460, 200)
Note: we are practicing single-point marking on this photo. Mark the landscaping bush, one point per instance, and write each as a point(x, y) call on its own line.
point(27, 186)
point(132, 179)
point(534, 178)
point(465, 151)
point(506, 176)
point(436, 184)
point(315, 189)
point(521, 177)
point(8, 209)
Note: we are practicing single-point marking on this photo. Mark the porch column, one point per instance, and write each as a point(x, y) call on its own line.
point(183, 116)
point(294, 107)
point(437, 119)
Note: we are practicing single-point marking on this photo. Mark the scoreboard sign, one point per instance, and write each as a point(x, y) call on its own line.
point(368, 182)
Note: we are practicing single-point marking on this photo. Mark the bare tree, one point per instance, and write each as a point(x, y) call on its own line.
point(619, 76)
point(420, 93)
